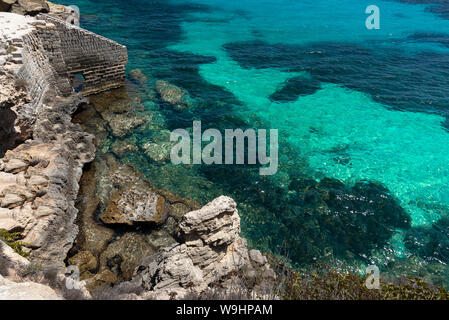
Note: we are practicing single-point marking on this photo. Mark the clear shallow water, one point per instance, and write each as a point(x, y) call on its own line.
point(361, 114)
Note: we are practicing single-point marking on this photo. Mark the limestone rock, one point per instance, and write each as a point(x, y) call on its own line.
point(11, 201)
point(15, 166)
point(32, 7)
point(105, 277)
point(137, 204)
point(212, 250)
point(10, 290)
point(173, 94)
point(125, 254)
point(257, 257)
point(7, 220)
point(5, 5)
point(138, 76)
point(10, 262)
point(170, 268)
point(84, 260)
point(159, 152)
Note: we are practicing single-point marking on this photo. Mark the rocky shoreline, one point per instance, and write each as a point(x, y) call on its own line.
point(183, 249)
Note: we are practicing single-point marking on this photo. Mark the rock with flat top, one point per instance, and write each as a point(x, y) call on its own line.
point(10, 290)
point(136, 204)
point(15, 165)
point(32, 7)
point(11, 263)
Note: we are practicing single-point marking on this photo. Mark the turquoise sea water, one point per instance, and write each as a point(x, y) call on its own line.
point(362, 119)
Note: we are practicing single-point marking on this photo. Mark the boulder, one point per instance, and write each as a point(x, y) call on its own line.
point(138, 76)
point(159, 152)
point(32, 7)
point(124, 255)
point(5, 5)
point(173, 95)
point(11, 263)
point(84, 260)
point(105, 277)
point(136, 204)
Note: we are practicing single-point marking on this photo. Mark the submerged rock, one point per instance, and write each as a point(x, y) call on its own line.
point(105, 277)
point(138, 76)
point(159, 152)
point(124, 255)
point(122, 148)
point(177, 97)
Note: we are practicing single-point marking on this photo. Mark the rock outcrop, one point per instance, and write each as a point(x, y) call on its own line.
point(211, 251)
point(34, 7)
point(11, 264)
point(10, 290)
point(177, 97)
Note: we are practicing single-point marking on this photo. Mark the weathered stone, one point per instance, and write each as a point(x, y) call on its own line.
point(125, 254)
point(33, 6)
point(84, 260)
point(10, 290)
point(137, 204)
point(212, 250)
point(11, 264)
point(37, 180)
point(11, 201)
point(257, 257)
point(216, 224)
point(105, 277)
point(15, 166)
point(170, 268)
point(172, 94)
point(7, 221)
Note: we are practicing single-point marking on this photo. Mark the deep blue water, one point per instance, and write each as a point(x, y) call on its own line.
point(362, 117)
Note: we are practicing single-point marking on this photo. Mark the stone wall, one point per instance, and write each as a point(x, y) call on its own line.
point(75, 51)
point(57, 50)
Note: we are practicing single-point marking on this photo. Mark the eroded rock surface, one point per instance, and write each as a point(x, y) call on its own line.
point(177, 97)
point(138, 204)
point(211, 251)
point(10, 290)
